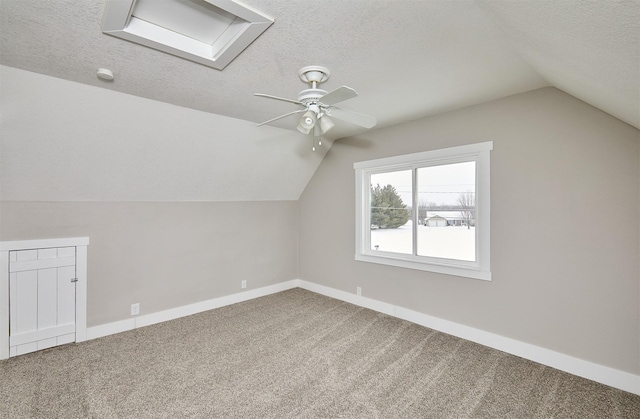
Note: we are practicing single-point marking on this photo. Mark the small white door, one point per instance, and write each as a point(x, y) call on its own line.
point(42, 299)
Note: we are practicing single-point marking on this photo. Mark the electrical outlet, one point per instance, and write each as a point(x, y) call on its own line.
point(359, 290)
point(135, 309)
point(243, 284)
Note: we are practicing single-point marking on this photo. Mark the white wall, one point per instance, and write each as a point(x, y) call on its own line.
point(571, 285)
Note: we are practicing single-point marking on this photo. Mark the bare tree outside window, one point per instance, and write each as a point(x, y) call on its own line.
point(467, 204)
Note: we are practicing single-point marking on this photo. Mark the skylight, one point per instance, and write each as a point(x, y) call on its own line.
point(209, 32)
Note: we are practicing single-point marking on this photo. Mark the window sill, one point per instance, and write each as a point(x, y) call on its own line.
point(463, 271)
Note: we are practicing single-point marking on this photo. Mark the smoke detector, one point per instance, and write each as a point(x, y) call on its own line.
point(105, 74)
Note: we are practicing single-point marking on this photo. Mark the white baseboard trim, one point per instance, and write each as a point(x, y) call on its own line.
point(175, 313)
point(95, 332)
point(599, 373)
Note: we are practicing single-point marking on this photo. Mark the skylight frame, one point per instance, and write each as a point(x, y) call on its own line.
point(246, 28)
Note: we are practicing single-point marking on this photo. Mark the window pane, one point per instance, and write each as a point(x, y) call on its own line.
point(391, 229)
point(446, 211)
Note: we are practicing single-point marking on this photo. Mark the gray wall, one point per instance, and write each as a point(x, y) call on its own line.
point(165, 255)
point(67, 141)
point(564, 226)
point(565, 218)
point(180, 205)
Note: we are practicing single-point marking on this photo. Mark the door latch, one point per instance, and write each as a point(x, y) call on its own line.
point(74, 279)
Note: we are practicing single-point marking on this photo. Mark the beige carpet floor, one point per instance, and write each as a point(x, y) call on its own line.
point(295, 354)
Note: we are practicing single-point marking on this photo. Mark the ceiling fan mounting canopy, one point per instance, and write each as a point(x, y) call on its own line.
point(314, 73)
point(317, 104)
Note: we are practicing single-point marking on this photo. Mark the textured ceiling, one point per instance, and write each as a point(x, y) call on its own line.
point(589, 49)
point(406, 59)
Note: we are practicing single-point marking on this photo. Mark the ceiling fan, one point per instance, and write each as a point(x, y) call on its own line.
point(317, 105)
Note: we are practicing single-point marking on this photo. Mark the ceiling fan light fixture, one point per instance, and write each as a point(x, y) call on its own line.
point(307, 122)
point(326, 124)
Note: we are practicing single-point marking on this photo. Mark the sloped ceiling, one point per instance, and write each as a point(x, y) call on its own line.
point(406, 59)
point(589, 49)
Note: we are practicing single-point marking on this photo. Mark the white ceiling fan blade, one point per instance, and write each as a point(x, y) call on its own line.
point(338, 95)
point(279, 98)
point(281, 116)
point(353, 117)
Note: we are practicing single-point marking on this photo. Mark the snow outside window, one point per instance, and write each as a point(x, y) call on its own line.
point(426, 211)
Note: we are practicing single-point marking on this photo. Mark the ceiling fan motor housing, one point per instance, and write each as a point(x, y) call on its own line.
point(311, 96)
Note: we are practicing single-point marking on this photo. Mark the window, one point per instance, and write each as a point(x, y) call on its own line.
point(426, 211)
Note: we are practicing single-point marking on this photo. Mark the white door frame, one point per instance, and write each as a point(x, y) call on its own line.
point(80, 244)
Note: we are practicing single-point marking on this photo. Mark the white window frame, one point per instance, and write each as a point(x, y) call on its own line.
point(480, 153)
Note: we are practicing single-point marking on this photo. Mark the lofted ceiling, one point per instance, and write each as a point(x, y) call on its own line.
point(406, 59)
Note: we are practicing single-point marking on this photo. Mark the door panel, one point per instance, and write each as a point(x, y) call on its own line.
point(41, 299)
point(47, 304)
point(24, 290)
